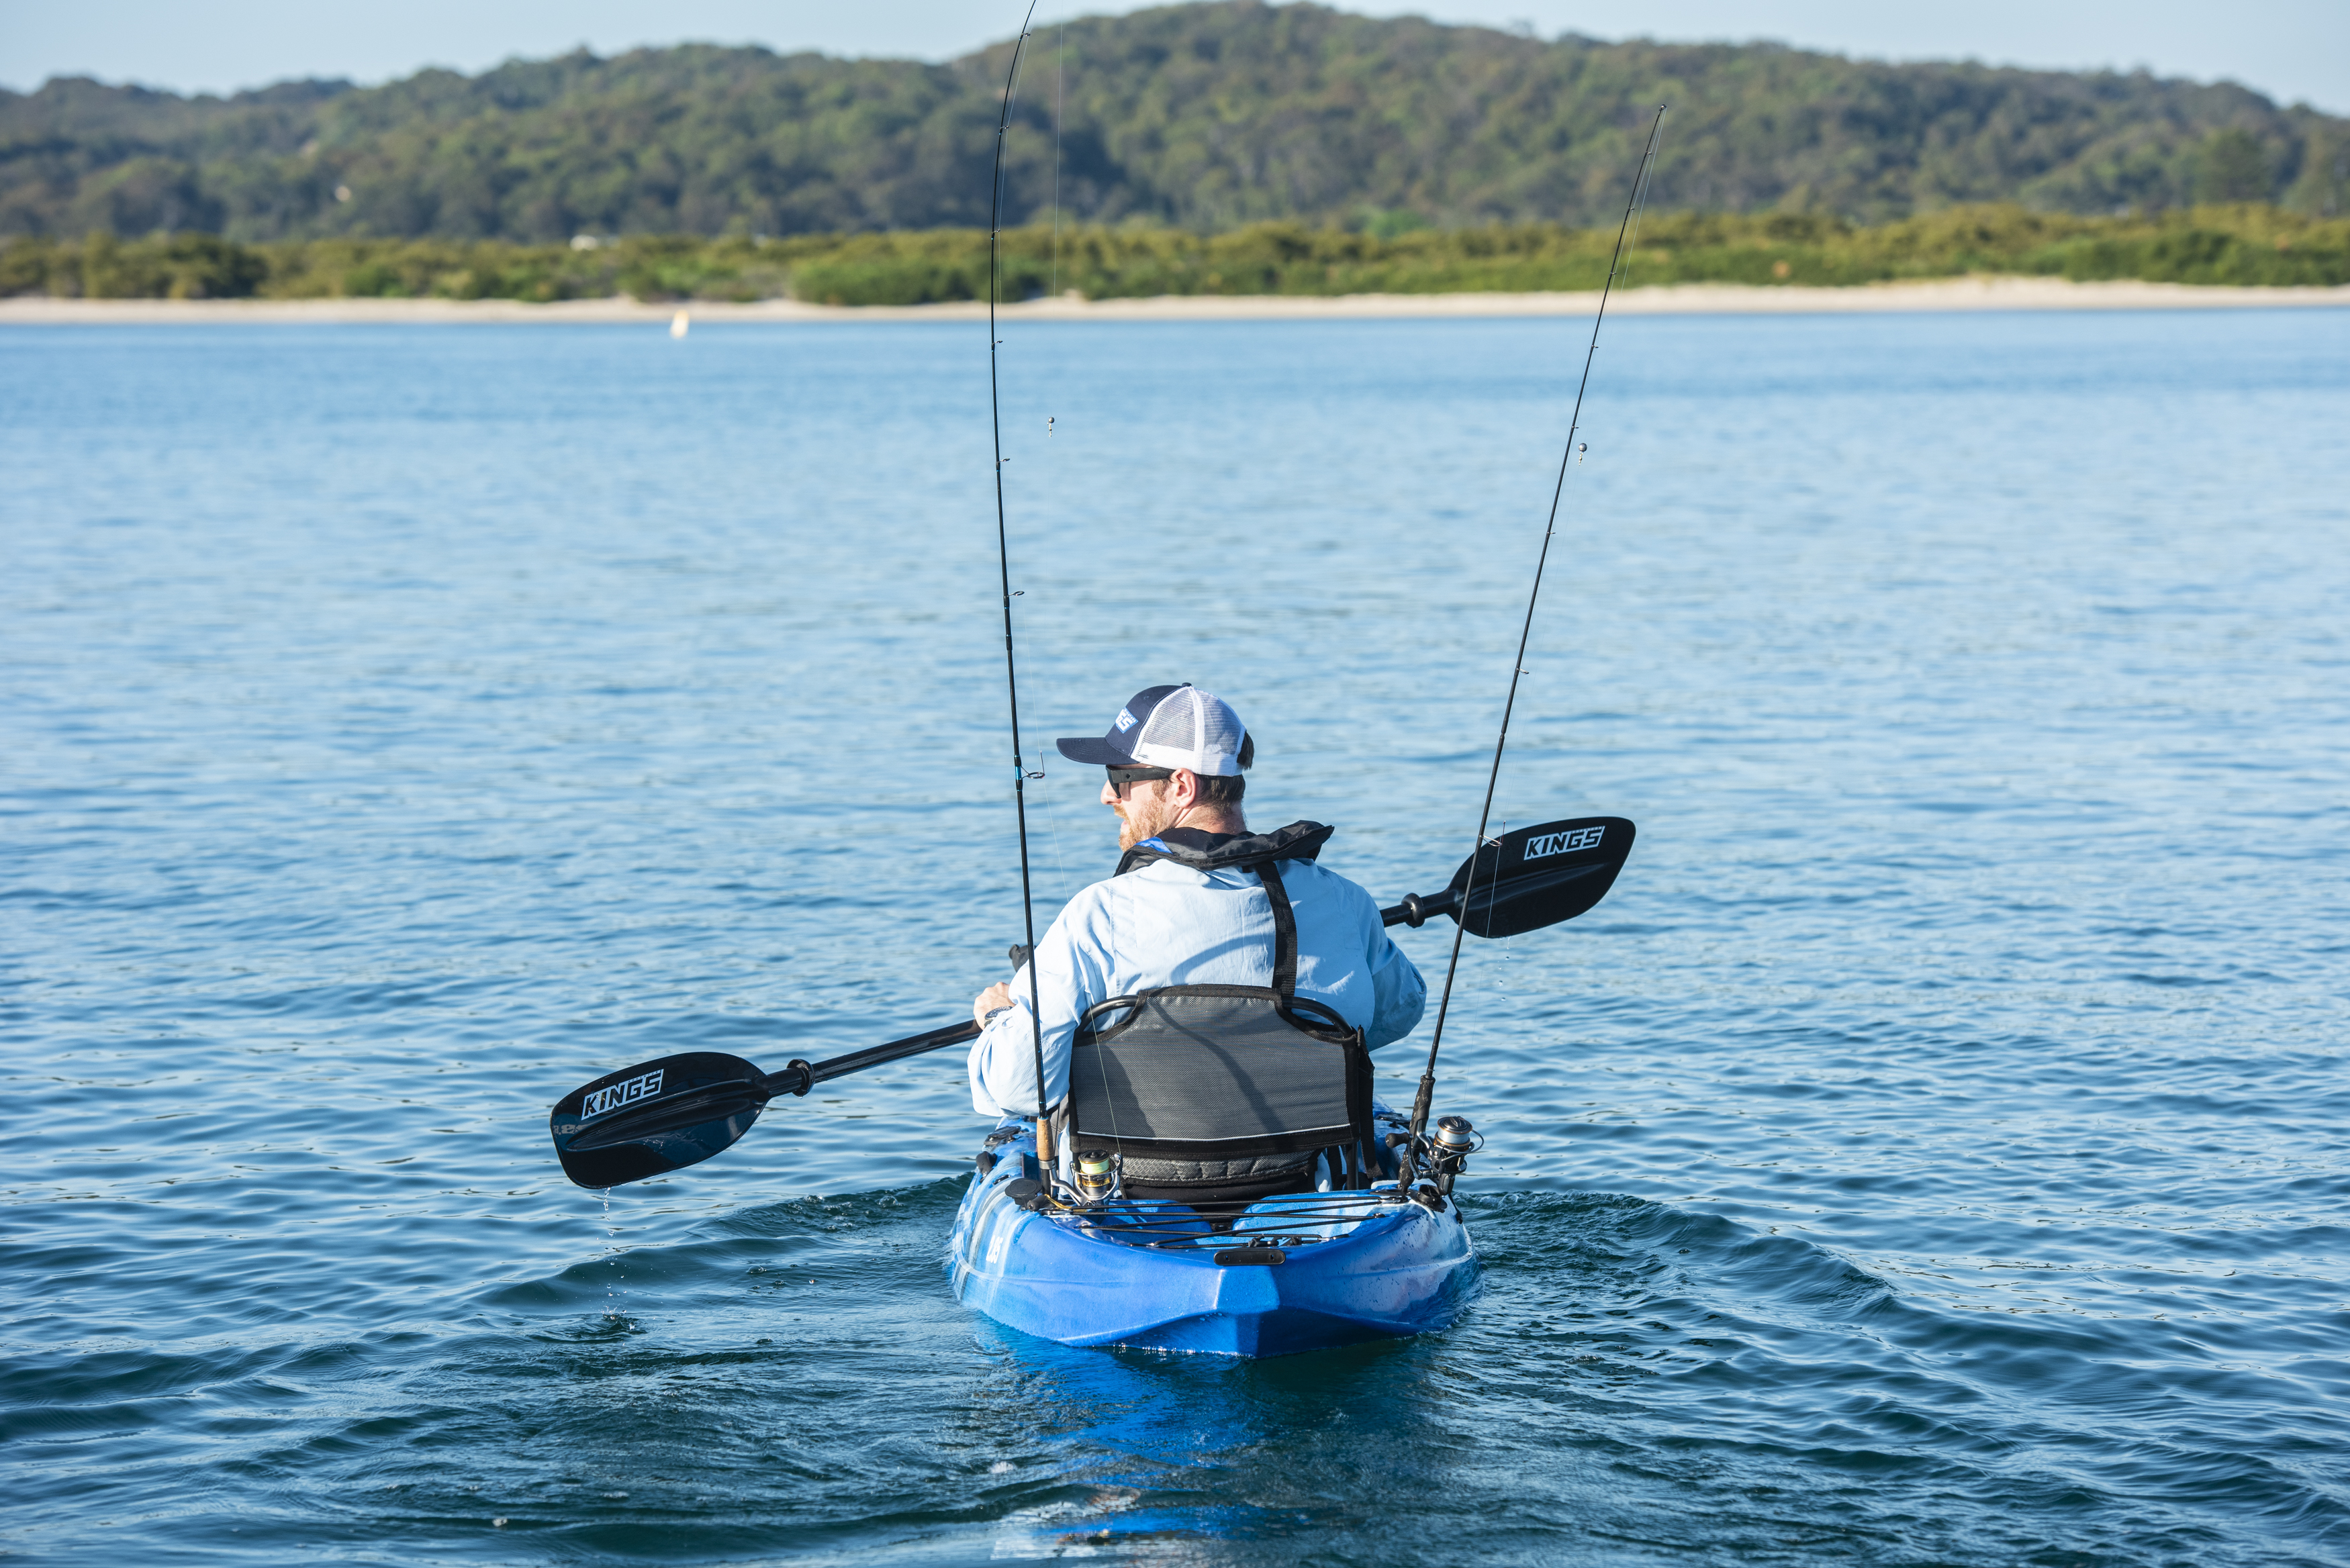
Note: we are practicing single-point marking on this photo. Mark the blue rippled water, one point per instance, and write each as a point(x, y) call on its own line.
point(1932, 1152)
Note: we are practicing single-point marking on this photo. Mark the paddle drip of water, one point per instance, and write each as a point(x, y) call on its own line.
point(612, 1313)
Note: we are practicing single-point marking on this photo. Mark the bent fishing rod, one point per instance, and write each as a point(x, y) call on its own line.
point(1020, 773)
point(1485, 851)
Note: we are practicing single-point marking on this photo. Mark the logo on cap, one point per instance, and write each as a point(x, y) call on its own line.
point(1125, 721)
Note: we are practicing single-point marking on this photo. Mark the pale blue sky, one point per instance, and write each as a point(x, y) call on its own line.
point(2290, 49)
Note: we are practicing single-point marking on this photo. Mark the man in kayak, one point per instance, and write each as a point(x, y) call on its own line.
point(1173, 916)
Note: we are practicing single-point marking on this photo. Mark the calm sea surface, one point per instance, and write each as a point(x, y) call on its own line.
point(1934, 1151)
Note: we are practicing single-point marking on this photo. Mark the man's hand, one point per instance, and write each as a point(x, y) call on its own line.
point(994, 999)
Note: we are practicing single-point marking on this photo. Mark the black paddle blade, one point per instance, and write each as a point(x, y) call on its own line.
point(655, 1117)
point(1540, 875)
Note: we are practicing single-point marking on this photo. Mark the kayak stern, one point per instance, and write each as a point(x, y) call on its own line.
point(1303, 1271)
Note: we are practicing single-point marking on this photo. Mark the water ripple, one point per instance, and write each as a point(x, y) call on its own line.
point(1930, 1153)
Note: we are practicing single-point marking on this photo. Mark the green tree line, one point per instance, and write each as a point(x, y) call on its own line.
point(1208, 116)
point(2248, 244)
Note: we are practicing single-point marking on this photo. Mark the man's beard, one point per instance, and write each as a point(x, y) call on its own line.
point(1131, 833)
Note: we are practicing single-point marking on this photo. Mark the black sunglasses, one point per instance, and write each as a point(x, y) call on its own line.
point(1121, 777)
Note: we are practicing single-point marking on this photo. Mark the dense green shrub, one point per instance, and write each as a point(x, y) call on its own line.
point(2239, 244)
point(177, 266)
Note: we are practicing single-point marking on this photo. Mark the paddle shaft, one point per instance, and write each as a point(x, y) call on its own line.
point(799, 1077)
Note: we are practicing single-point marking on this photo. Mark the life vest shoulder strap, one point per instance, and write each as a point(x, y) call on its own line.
point(1217, 852)
point(1261, 853)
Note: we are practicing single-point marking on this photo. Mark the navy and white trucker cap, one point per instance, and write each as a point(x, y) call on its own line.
point(1167, 727)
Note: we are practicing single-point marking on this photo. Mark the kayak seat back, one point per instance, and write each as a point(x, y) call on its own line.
point(1221, 1094)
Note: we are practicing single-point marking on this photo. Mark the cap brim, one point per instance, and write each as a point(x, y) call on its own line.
point(1095, 751)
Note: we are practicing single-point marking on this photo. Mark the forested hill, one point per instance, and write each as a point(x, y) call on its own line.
point(1203, 116)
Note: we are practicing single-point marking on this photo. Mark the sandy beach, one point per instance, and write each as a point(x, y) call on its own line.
point(1686, 299)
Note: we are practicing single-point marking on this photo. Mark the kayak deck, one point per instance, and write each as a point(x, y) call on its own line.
point(1305, 1271)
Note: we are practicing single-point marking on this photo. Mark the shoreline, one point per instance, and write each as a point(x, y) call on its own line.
point(1937, 295)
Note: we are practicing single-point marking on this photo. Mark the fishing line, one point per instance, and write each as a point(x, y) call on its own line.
point(1054, 836)
point(1506, 956)
point(1053, 291)
point(1518, 667)
point(1060, 76)
point(1020, 774)
point(1055, 839)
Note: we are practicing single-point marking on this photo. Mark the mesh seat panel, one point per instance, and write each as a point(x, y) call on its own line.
point(1219, 1089)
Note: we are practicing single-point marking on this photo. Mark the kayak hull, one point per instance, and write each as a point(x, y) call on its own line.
point(1353, 1267)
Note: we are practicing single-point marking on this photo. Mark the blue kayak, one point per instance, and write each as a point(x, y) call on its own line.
point(1300, 1271)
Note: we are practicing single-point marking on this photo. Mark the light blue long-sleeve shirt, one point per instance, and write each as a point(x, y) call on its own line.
point(1169, 924)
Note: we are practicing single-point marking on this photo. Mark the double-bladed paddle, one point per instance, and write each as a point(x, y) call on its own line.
point(665, 1114)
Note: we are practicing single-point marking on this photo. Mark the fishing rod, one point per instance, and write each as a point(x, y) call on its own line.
point(1485, 850)
point(1020, 773)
